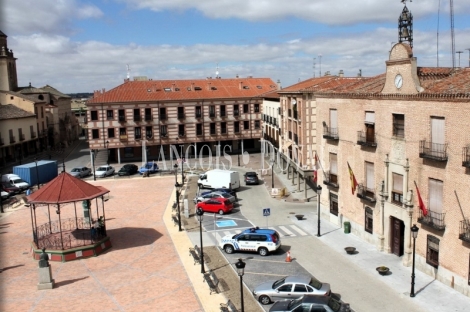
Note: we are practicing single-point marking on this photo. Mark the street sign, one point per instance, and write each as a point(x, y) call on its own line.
point(266, 212)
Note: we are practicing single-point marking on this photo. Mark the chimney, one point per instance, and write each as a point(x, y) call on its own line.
point(360, 73)
point(236, 76)
point(240, 85)
point(279, 84)
point(103, 90)
point(173, 87)
point(341, 73)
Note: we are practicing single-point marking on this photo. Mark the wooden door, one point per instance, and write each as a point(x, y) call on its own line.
point(370, 133)
point(398, 231)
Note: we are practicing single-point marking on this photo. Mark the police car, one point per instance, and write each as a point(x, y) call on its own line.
point(262, 241)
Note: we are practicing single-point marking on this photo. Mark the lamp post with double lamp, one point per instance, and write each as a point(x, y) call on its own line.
point(414, 233)
point(178, 190)
point(200, 214)
point(271, 162)
point(318, 209)
point(37, 171)
point(241, 270)
point(175, 167)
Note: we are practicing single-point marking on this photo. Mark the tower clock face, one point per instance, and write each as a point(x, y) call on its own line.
point(398, 81)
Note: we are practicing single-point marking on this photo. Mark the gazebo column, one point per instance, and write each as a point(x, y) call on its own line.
point(104, 217)
point(49, 215)
point(60, 227)
point(35, 235)
point(75, 208)
point(35, 225)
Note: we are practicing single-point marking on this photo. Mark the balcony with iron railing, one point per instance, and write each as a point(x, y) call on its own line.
point(330, 133)
point(212, 114)
point(122, 118)
point(148, 118)
point(22, 137)
point(464, 233)
point(149, 136)
point(330, 179)
point(223, 113)
point(33, 135)
point(137, 118)
point(368, 140)
point(181, 115)
point(433, 151)
point(163, 117)
point(181, 133)
point(198, 114)
point(12, 139)
point(366, 193)
point(433, 219)
point(138, 136)
point(236, 113)
point(164, 135)
point(466, 157)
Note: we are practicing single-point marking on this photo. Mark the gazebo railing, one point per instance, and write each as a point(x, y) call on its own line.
point(70, 224)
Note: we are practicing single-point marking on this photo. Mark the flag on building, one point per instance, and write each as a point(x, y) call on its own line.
point(420, 202)
point(353, 179)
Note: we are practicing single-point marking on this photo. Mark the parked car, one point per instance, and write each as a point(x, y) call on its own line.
point(209, 195)
point(311, 303)
point(128, 169)
point(262, 241)
point(80, 172)
point(221, 190)
point(150, 167)
point(290, 287)
point(16, 181)
point(104, 171)
point(10, 188)
point(251, 177)
point(4, 195)
point(216, 205)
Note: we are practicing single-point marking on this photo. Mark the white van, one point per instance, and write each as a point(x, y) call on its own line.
point(218, 178)
point(15, 180)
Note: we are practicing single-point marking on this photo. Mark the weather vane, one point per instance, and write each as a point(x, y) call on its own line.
point(404, 1)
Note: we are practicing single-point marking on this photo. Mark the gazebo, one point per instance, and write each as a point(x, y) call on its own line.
point(67, 234)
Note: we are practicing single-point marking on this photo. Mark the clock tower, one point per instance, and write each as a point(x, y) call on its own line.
point(8, 77)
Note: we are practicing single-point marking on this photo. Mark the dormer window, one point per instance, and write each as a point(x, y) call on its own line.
point(167, 89)
point(197, 88)
point(246, 87)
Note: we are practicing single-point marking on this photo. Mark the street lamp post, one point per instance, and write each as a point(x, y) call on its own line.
point(414, 233)
point(200, 214)
point(318, 209)
point(178, 190)
point(37, 172)
point(238, 154)
point(175, 167)
point(93, 163)
point(107, 152)
point(182, 172)
point(241, 270)
point(271, 162)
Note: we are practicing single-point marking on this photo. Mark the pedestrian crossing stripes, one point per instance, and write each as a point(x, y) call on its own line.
point(283, 230)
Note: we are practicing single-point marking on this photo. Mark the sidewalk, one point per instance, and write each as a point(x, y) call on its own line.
point(431, 294)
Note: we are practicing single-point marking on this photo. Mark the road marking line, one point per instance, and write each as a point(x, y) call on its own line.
point(263, 274)
point(286, 230)
point(298, 230)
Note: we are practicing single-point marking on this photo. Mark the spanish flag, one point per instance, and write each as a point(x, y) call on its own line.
point(353, 179)
point(420, 202)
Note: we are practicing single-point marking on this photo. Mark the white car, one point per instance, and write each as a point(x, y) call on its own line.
point(80, 172)
point(104, 171)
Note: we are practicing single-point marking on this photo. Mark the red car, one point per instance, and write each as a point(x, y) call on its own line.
point(216, 205)
point(9, 188)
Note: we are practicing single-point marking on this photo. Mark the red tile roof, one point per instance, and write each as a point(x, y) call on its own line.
point(324, 83)
point(65, 189)
point(184, 90)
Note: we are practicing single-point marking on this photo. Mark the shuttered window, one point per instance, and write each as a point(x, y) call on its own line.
point(370, 118)
point(435, 195)
point(333, 118)
point(370, 179)
point(437, 130)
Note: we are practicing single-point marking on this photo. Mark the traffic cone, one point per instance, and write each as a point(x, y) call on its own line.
point(288, 258)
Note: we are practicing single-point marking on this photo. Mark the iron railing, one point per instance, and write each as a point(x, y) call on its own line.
point(433, 219)
point(330, 133)
point(464, 233)
point(122, 118)
point(330, 179)
point(366, 193)
point(433, 151)
point(366, 140)
point(466, 157)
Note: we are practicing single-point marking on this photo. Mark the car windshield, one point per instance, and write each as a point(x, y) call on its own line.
point(315, 283)
point(18, 181)
point(334, 305)
point(102, 169)
point(251, 174)
point(279, 282)
point(294, 303)
point(76, 170)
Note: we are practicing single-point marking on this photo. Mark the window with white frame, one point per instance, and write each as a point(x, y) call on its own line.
point(438, 134)
point(333, 122)
point(397, 188)
point(435, 196)
point(370, 127)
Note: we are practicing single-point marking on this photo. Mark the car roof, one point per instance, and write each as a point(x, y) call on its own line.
point(305, 279)
point(259, 231)
point(251, 173)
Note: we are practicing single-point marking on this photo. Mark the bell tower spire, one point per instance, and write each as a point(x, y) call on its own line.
point(8, 77)
point(405, 26)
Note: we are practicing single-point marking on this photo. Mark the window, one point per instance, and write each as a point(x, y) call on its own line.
point(399, 125)
point(397, 188)
point(94, 115)
point(149, 132)
point(333, 122)
point(245, 108)
point(256, 108)
point(435, 196)
point(136, 114)
point(369, 220)
point(222, 111)
point(213, 130)
point(109, 114)
point(212, 111)
point(122, 115)
point(181, 113)
point(181, 130)
point(333, 204)
point(236, 111)
point(257, 124)
point(236, 126)
point(432, 253)
point(163, 131)
point(198, 129)
point(95, 134)
point(137, 133)
point(198, 112)
point(333, 168)
point(110, 132)
point(246, 125)
point(370, 179)
point(370, 127)
point(163, 113)
point(223, 127)
point(437, 133)
point(148, 114)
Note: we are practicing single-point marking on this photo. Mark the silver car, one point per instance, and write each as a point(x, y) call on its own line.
point(80, 172)
point(231, 198)
point(104, 171)
point(290, 287)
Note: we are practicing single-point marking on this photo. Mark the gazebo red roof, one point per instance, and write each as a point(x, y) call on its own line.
point(65, 189)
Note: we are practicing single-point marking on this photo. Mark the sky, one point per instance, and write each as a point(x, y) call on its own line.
point(81, 46)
